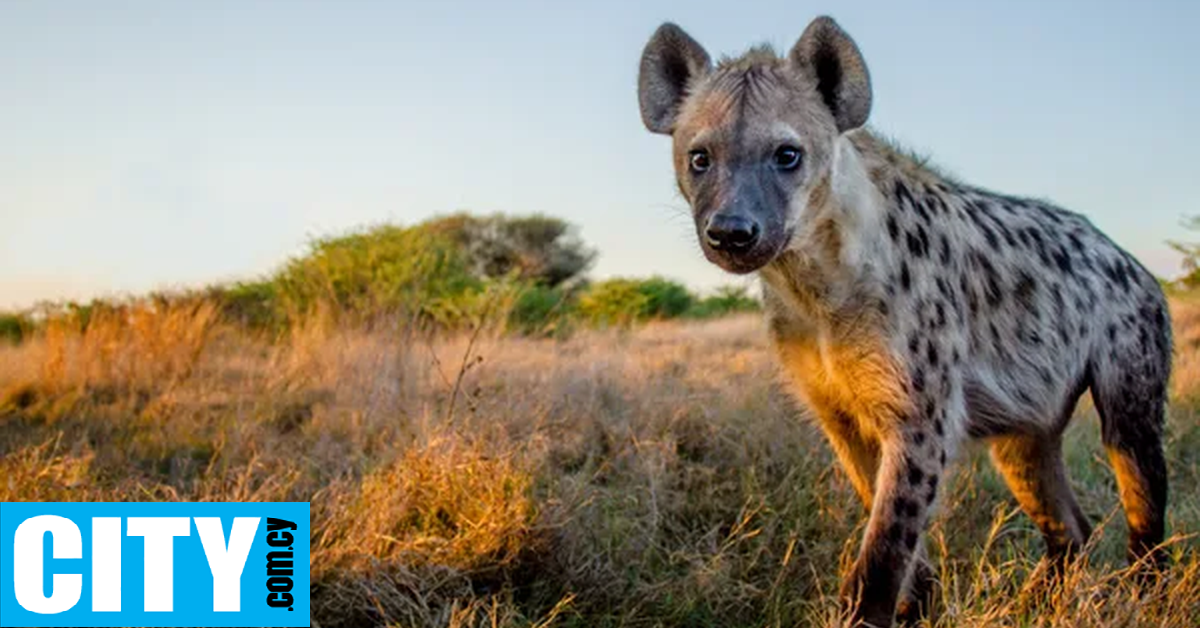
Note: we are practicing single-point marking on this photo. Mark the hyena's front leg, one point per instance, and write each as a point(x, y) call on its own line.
point(905, 489)
point(916, 600)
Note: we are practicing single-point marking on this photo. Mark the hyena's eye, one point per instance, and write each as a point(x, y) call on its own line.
point(699, 161)
point(787, 157)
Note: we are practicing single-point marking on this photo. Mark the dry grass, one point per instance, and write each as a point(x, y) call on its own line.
point(656, 477)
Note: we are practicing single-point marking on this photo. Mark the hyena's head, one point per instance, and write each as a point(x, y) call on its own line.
point(754, 136)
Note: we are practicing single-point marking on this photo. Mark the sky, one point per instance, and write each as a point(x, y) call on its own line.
point(151, 145)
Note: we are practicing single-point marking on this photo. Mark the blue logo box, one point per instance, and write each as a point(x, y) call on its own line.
point(154, 564)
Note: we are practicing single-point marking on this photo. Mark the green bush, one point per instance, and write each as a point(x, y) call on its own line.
point(449, 270)
point(420, 271)
point(542, 310)
point(724, 301)
point(254, 304)
point(14, 327)
point(664, 298)
point(612, 302)
point(624, 301)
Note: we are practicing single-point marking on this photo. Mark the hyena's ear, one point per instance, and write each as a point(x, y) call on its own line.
point(827, 55)
point(671, 60)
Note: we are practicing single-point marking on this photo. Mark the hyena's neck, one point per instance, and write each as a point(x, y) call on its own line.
point(839, 255)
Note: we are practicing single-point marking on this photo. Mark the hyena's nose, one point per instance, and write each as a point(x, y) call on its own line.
point(731, 232)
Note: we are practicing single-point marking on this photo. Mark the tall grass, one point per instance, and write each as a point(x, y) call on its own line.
point(654, 475)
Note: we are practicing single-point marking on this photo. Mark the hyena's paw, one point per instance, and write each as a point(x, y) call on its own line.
point(918, 601)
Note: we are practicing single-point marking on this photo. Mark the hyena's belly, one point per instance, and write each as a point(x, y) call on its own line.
point(1011, 400)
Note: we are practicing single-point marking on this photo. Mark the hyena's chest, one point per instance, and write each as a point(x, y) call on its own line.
point(853, 373)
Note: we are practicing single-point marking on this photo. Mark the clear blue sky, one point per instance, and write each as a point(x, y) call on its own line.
point(152, 144)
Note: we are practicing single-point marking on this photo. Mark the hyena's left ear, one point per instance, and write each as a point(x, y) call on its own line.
point(827, 55)
point(670, 61)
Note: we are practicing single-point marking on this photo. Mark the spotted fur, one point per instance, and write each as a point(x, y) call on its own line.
point(913, 312)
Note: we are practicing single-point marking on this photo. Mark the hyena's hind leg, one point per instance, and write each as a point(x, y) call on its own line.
point(1034, 470)
point(1130, 397)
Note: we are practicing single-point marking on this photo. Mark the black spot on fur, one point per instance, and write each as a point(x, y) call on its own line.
point(972, 299)
point(921, 211)
point(915, 475)
point(992, 290)
point(893, 229)
point(905, 277)
point(943, 286)
point(1039, 244)
point(1063, 260)
point(1007, 233)
point(1024, 291)
point(914, 245)
point(1077, 244)
point(903, 197)
point(1050, 214)
point(989, 235)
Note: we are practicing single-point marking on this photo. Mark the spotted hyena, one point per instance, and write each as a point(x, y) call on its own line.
point(912, 311)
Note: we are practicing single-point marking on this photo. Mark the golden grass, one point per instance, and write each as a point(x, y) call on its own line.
point(447, 503)
point(657, 476)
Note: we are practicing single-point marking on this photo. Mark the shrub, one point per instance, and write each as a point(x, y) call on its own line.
point(449, 270)
point(14, 327)
point(537, 248)
point(624, 301)
point(253, 304)
point(724, 301)
point(664, 298)
point(541, 309)
point(418, 271)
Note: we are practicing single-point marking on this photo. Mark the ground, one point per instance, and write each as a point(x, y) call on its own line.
point(659, 476)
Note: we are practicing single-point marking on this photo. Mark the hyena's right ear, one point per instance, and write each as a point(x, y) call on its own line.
point(831, 60)
point(670, 61)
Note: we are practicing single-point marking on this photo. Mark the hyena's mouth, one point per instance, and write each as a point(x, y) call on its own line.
point(746, 259)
